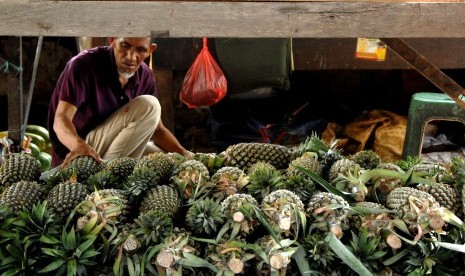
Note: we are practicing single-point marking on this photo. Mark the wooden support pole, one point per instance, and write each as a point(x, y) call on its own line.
point(427, 69)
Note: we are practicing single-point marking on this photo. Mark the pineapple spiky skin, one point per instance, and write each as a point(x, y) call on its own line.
point(259, 165)
point(367, 159)
point(243, 155)
point(121, 167)
point(307, 161)
point(191, 177)
point(398, 197)
point(227, 181)
point(326, 218)
point(163, 198)
point(17, 167)
point(263, 181)
point(204, 217)
point(342, 166)
point(280, 208)
point(301, 186)
point(22, 195)
point(64, 197)
point(445, 195)
point(382, 186)
point(230, 207)
point(374, 217)
point(83, 167)
point(159, 162)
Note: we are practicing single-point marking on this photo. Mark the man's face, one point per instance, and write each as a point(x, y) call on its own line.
point(130, 52)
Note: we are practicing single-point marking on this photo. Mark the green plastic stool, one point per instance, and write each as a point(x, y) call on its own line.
point(424, 108)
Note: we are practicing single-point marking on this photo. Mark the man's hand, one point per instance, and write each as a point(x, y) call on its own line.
point(82, 149)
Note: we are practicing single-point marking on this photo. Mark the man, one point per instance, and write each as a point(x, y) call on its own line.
point(104, 105)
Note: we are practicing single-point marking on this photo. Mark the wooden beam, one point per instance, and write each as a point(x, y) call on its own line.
point(317, 19)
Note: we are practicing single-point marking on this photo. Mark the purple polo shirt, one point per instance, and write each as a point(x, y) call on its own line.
point(90, 82)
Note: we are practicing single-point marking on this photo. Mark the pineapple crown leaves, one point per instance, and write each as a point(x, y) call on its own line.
point(407, 163)
point(318, 250)
point(313, 143)
point(204, 216)
point(73, 253)
point(366, 248)
point(103, 179)
point(140, 181)
point(152, 227)
point(263, 181)
point(39, 223)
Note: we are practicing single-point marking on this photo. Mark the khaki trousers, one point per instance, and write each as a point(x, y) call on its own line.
point(128, 130)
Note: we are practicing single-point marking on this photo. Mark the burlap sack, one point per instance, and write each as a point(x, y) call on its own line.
point(379, 130)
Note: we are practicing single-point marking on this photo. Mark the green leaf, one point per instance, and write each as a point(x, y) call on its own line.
point(130, 265)
point(396, 257)
point(88, 243)
point(264, 221)
point(346, 256)
point(48, 240)
point(71, 268)
point(53, 266)
point(54, 252)
point(326, 185)
point(191, 260)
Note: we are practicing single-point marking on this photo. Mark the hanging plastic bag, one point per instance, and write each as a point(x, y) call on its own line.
point(204, 83)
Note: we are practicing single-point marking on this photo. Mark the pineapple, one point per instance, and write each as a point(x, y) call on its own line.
point(140, 181)
point(278, 255)
point(229, 257)
point(382, 186)
point(164, 199)
point(351, 182)
point(103, 179)
point(263, 180)
point(83, 167)
point(258, 165)
point(213, 161)
point(191, 177)
point(321, 256)
point(285, 211)
point(307, 161)
point(328, 212)
point(121, 167)
point(343, 166)
point(176, 252)
point(237, 209)
point(366, 159)
point(301, 185)
point(63, 198)
point(419, 210)
point(445, 195)
point(227, 181)
point(159, 162)
point(17, 167)
point(112, 203)
point(22, 195)
point(152, 227)
point(399, 197)
point(243, 155)
point(368, 250)
point(204, 217)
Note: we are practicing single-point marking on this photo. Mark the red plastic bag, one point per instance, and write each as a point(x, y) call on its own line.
point(204, 83)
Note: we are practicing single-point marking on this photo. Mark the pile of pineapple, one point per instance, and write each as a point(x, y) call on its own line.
point(255, 209)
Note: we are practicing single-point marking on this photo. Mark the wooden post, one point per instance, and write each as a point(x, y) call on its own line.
point(164, 80)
